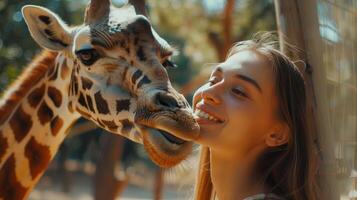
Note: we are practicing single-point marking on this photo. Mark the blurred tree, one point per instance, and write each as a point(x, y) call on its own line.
point(111, 151)
point(255, 12)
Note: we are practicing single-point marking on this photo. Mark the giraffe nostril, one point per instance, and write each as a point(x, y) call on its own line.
point(166, 100)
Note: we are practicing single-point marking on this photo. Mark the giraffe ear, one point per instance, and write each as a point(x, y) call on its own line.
point(46, 28)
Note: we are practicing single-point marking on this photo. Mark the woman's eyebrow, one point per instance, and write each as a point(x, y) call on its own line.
point(249, 80)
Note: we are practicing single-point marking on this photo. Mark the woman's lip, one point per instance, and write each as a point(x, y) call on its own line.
point(202, 121)
point(201, 106)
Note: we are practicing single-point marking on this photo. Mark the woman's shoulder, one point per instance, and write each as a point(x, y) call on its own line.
point(270, 196)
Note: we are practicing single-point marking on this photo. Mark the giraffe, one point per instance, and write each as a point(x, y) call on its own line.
point(110, 70)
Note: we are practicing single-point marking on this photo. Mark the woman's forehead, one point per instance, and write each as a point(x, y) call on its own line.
point(245, 59)
point(248, 63)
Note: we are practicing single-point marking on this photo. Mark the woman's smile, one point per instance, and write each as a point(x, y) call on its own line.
point(204, 115)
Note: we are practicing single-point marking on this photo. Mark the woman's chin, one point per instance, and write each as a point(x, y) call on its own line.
point(206, 137)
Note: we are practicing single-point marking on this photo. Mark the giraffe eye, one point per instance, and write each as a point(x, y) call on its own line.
point(88, 56)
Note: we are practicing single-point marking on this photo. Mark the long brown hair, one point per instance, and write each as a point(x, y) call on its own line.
point(289, 170)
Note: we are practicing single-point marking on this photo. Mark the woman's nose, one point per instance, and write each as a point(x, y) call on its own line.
point(211, 96)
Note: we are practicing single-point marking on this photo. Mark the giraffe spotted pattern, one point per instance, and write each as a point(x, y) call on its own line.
point(122, 105)
point(36, 96)
point(20, 123)
point(111, 125)
point(101, 103)
point(86, 83)
point(10, 187)
point(44, 113)
point(55, 95)
point(38, 155)
point(127, 126)
point(56, 125)
point(22, 107)
point(3, 146)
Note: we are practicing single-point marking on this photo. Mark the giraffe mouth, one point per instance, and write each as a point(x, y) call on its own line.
point(167, 135)
point(176, 127)
point(165, 149)
point(171, 138)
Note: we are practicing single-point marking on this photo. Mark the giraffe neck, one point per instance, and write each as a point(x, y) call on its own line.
point(34, 119)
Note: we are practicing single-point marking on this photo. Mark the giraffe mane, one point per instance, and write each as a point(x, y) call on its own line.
point(30, 76)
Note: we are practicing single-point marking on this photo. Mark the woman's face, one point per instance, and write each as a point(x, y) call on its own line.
point(237, 107)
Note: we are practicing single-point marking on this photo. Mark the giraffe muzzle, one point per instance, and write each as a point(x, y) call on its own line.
point(167, 127)
point(178, 123)
point(163, 148)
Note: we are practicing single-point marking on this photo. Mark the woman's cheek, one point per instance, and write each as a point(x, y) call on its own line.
point(241, 120)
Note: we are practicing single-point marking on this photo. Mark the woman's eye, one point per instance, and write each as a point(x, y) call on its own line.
point(88, 56)
point(239, 92)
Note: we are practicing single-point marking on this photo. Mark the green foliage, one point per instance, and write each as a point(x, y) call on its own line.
point(12, 73)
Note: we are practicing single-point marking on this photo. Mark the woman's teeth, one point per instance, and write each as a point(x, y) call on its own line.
point(202, 114)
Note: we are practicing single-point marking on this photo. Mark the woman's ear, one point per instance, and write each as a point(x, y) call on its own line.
point(278, 136)
point(46, 28)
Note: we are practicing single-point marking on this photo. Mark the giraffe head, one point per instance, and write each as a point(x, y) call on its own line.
point(118, 77)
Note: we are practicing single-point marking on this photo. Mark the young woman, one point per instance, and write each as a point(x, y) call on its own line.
point(253, 129)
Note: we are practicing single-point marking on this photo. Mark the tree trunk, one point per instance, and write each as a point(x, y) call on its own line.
point(107, 186)
point(159, 184)
point(222, 44)
point(66, 179)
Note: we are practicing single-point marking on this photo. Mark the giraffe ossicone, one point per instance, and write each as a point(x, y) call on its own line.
point(110, 70)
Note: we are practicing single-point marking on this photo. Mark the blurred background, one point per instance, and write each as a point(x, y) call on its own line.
point(93, 164)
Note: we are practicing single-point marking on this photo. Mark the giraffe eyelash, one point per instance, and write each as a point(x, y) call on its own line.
point(169, 64)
